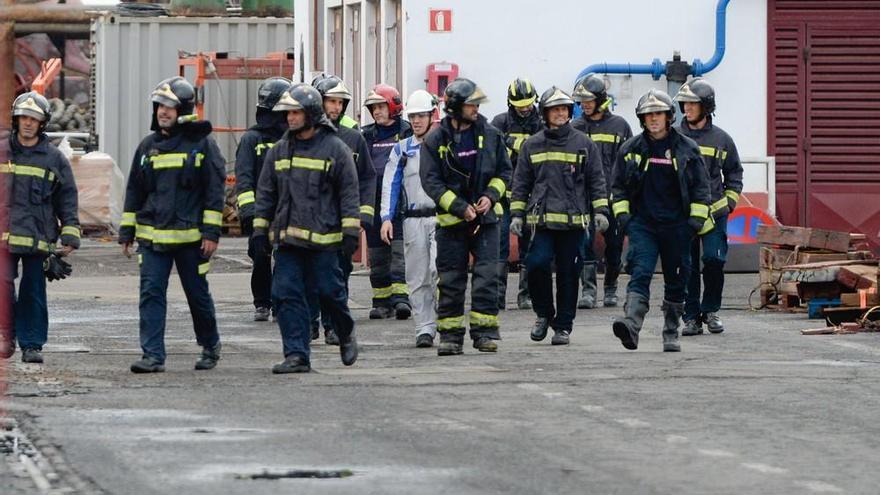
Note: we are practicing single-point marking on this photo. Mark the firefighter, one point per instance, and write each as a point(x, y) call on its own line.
point(252, 148)
point(558, 179)
point(39, 207)
point(697, 102)
point(609, 132)
point(336, 113)
point(520, 121)
point(309, 188)
point(660, 197)
point(402, 194)
point(386, 262)
point(465, 169)
point(336, 98)
point(174, 209)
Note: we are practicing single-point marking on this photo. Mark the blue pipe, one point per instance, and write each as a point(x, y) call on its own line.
point(720, 32)
point(657, 68)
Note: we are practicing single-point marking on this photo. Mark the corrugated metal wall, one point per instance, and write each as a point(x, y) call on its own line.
point(133, 54)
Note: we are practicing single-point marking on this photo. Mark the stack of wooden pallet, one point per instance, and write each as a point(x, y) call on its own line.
point(806, 268)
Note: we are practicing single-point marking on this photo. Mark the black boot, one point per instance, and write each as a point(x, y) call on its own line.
point(402, 311)
point(560, 337)
point(628, 327)
point(610, 299)
point(671, 320)
point(210, 356)
point(31, 355)
point(147, 364)
point(292, 364)
point(330, 337)
point(539, 332)
point(588, 287)
point(348, 349)
point(523, 299)
point(450, 345)
point(502, 284)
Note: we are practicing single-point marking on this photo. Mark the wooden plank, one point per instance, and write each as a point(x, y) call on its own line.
point(820, 272)
point(776, 258)
point(857, 277)
point(785, 235)
point(860, 255)
point(819, 257)
point(854, 299)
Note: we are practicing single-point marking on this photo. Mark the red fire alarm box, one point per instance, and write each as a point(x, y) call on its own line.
point(439, 76)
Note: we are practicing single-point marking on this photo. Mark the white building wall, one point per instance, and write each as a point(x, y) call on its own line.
point(550, 42)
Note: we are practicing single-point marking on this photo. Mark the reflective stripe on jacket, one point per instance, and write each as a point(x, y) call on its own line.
point(309, 189)
point(558, 180)
point(176, 190)
point(40, 196)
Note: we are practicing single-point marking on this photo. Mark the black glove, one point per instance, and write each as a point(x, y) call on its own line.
point(720, 213)
point(247, 225)
point(349, 245)
point(696, 223)
point(56, 268)
point(623, 221)
point(731, 204)
point(262, 246)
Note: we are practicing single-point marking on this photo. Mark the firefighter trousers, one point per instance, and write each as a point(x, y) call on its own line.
point(672, 243)
point(454, 246)
point(714, 251)
point(563, 248)
point(387, 267)
point(297, 269)
point(27, 310)
point(192, 268)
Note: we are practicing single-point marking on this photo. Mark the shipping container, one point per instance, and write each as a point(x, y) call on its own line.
point(132, 54)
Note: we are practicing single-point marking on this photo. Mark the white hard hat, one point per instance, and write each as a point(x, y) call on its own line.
point(421, 102)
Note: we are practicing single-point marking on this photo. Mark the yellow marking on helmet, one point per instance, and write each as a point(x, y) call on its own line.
point(30, 104)
point(165, 90)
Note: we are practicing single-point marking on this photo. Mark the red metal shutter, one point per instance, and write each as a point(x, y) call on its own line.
point(824, 112)
point(785, 111)
point(843, 128)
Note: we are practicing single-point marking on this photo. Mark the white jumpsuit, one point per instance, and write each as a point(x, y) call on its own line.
point(402, 192)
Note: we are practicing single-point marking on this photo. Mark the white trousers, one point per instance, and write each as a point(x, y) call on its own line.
point(420, 256)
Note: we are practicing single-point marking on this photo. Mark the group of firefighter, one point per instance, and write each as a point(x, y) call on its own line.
point(436, 201)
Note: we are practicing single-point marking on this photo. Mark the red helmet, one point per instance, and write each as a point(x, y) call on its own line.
point(383, 93)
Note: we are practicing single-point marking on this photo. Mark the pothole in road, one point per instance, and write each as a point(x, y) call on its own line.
point(317, 474)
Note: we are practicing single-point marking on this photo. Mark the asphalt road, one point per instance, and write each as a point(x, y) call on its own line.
point(757, 409)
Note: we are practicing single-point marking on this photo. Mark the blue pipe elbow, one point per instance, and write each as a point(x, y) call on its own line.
point(699, 68)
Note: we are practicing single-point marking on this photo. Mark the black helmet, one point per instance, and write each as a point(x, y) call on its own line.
point(555, 97)
point(32, 104)
point(270, 91)
point(521, 93)
point(462, 92)
point(303, 97)
point(697, 90)
point(655, 100)
point(592, 88)
point(333, 87)
point(175, 92)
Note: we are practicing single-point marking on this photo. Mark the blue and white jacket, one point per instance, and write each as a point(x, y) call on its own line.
point(402, 190)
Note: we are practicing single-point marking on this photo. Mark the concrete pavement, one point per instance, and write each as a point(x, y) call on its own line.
point(757, 409)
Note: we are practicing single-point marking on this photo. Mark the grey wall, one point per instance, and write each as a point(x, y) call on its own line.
point(134, 54)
